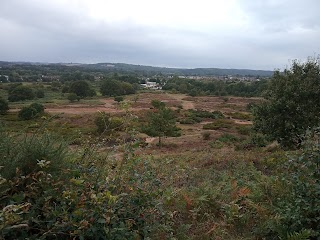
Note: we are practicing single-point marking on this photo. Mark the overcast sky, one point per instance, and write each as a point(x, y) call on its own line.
point(256, 34)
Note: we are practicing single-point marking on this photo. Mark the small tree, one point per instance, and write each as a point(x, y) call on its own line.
point(82, 89)
point(292, 104)
point(4, 107)
point(111, 87)
point(162, 123)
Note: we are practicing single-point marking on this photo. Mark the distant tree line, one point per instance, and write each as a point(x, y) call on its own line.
point(216, 87)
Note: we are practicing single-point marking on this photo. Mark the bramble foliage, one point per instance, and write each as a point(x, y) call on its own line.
point(292, 104)
point(80, 200)
point(299, 206)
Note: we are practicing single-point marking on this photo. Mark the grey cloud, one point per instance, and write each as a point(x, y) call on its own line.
point(42, 31)
point(283, 15)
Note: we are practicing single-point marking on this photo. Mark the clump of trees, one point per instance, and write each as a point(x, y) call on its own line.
point(111, 87)
point(216, 87)
point(82, 89)
point(19, 92)
point(292, 104)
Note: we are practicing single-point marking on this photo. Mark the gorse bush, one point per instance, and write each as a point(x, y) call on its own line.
point(24, 152)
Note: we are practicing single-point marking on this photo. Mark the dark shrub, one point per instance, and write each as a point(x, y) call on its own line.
point(4, 107)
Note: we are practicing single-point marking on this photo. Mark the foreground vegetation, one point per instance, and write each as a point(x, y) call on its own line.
point(211, 176)
point(49, 191)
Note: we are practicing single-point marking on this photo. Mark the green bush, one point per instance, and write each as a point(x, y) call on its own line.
point(39, 93)
point(38, 107)
point(218, 124)
point(206, 114)
point(24, 152)
point(157, 104)
point(4, 107)
point(244, 130)
point(299, 202)
point(255, 140)
point(118, 99)
point(30, 112)
point(72, 97)
point(107, 124)
point(292, 104)
point(20, 93)
point(241, 116)
point(227, 138)
point(190, 120)
point(196, 116)
point(78, 203)
point(27, 113)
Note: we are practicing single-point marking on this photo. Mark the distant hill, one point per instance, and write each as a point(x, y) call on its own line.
point(147, 70)
point(180, 71)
